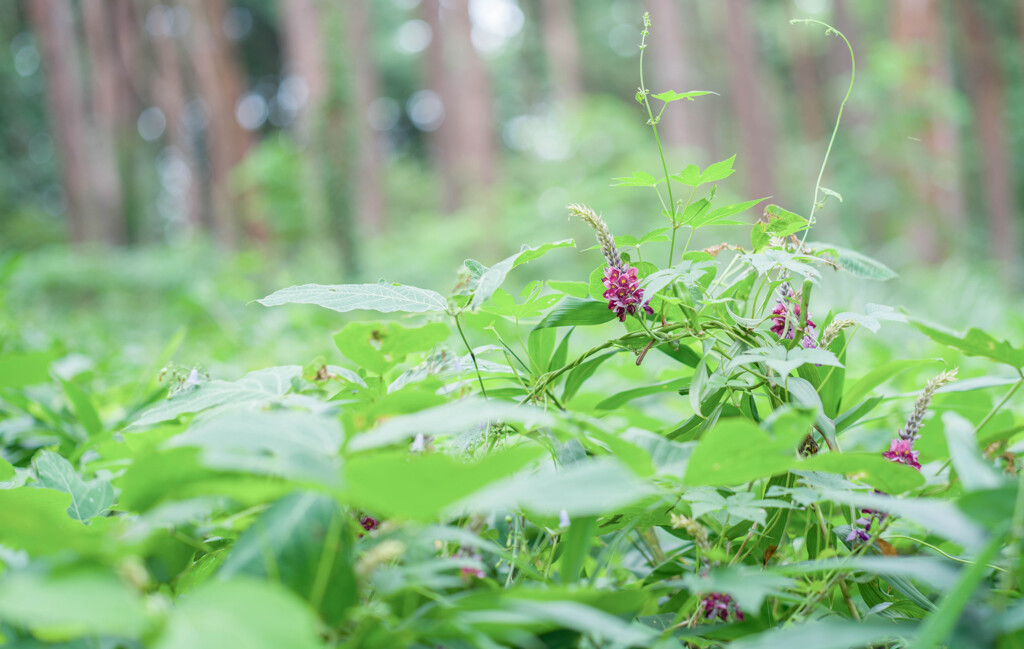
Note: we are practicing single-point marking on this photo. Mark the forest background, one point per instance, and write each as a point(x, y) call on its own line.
point(163, 164)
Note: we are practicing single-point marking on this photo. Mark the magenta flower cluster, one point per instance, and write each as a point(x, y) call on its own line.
point(720, 605)
point(784, 325)
point(623, 292)
point(901, 450)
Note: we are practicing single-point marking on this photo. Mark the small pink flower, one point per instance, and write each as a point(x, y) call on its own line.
point(623, 291)
point(780, 325)
point(902, 451)
point(719, 605)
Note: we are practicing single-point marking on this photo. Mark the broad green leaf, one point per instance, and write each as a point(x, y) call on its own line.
point(290, 444)
point(494, 276)
point(784, 361)
point(737, 451)
point(88, 499)
point(385, 298)
point(765, 262)
point(871, 468)
point(36, 520)
point(576, 545)
point(829, 633)
point(872, 316)
point(689, 176)
point(419, 487)
point(6, 470)
point(591, 488)
point(69, 605)
point(671, 95)
point(573, 312)
point(975, 343)
point(461, 417)
point(717, 171)
point(20, 369)
point(260, 386)
point(304, 543)
point(974, 471)
point(638, 179)
point(379, 346)
point(242, 612)
point(855, 263)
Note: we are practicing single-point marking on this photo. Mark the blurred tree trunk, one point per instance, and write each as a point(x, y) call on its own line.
point(804, 75)
point(561, 48)
point(671, 60)
point(53, 22)
point(466, 138)
point(107, 101)
point(220, 85)
point(444, 141)
point(369, 201)
point(932, 166)
point(305, 58)
point(749, 102)
point(985, 85)
point(169, 89)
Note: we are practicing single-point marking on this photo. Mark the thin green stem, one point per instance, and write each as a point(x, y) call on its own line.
point(472, 355)
point(835, 129)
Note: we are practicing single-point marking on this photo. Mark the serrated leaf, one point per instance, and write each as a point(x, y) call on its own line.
point(717, 171)
point(690, 175)
point(385, 298)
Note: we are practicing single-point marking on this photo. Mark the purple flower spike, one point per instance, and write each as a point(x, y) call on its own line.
point(623, 291)
point(719, 605)
point(784, 329)
point(902, 451)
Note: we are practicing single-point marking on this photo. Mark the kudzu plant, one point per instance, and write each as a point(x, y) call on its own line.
point(482, 473)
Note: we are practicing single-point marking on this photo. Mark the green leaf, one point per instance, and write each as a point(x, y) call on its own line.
point(784, 361)
point(829, 633)
point(19, 370)
point(974, 471)
point(385, 298)
point(589, 488)
point(975, 343)
point(573, 312)
point(290, 444)
point(88, 499)
point(717, 171)
point(748, 586)
point(737, 451)
point(638, 179)
point(494, 276)
point(69, 605)
point(671, 95)
point(419, 487)
point(578, 375)
point(855, 263)
point(36, 520)
point(259, 386)
point(871, 468)
point(721, 213)
point(621, 398)
point(83, 407)
point(240, 613)
point(379, 346)
point(689, 176)
point(575, 547)
point(302, 542)
point(6, 470)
